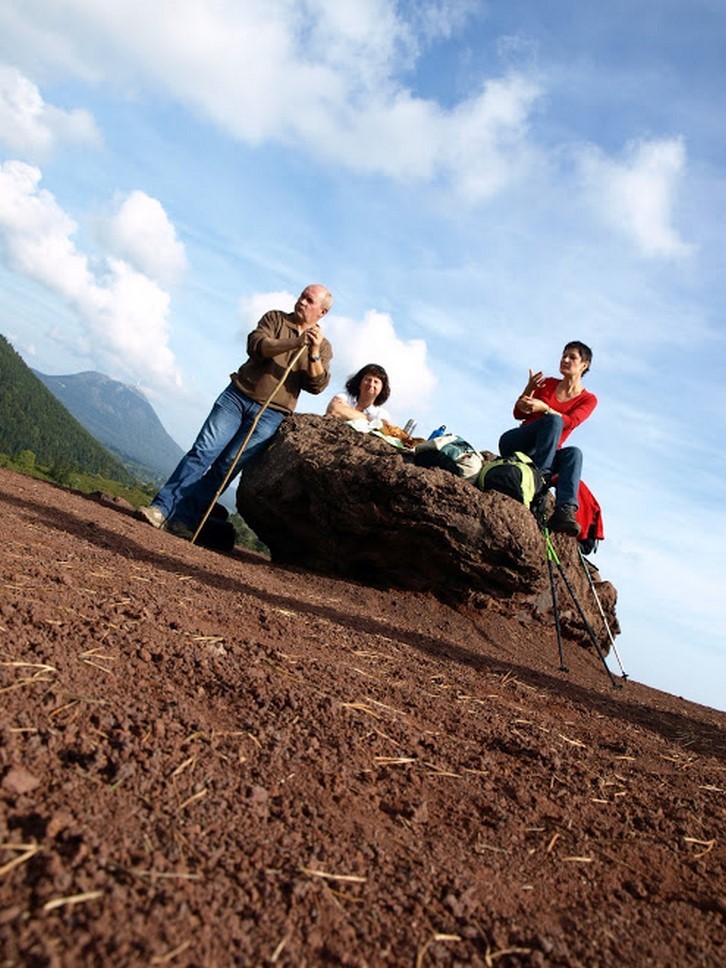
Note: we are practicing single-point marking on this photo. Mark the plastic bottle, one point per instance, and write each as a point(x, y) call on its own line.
point(438, 432)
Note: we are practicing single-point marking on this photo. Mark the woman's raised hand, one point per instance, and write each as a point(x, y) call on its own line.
point(534, 381)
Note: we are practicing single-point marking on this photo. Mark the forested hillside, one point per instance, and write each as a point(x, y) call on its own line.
point(33, 420)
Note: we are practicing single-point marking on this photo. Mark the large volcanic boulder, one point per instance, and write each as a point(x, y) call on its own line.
point(344, 503)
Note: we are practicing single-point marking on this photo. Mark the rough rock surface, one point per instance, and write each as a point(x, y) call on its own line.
point(209, 760)
point(343, 503)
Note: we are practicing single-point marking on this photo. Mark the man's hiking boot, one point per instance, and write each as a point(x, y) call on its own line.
point(153, 515)
point(563, 520)
point(179, 529)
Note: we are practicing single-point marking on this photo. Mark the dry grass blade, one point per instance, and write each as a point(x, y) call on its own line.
point(197, 734)
point(479, 846)
point(170, 955)
point(388, 739)
point(572, 742)
point(393, 760)
point(29, 850)
point(278, 951)
point(491, 956)
point(183, 766)
point(31, 665)
point(708, 844)
point(189, 800)
point(168, 875)
point(360, 707)
point(71, 899)
point(579, 860)
point(432, 940)
point(362, 672)
point(382, 705)
point(97, 665)
point(327, 876)
point(21, 683)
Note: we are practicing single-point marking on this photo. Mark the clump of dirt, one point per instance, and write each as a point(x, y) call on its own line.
point(210, 760)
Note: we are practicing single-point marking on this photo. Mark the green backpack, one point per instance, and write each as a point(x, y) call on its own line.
point(452, 453)
point(516, 476)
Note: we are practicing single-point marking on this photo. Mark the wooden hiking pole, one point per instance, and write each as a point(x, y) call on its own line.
point(244, 443)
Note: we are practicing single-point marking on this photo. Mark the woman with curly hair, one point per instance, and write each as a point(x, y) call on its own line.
point(365, 393)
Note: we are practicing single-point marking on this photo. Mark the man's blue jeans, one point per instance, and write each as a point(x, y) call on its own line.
point(190, 489)
point(539, 440)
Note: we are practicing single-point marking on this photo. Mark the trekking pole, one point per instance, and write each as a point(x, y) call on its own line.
point(623, 673)
point(553, 590)
point(244, 443)
point(587, 625)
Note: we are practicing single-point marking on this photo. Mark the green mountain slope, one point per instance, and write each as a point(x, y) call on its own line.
point(32, 419)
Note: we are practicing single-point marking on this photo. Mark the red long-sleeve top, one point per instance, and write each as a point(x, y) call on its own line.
point(573, 411)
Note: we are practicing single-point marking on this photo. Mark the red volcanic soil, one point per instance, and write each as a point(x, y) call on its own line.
point(210, 760)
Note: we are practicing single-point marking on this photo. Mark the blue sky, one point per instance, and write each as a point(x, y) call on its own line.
point(476, 183)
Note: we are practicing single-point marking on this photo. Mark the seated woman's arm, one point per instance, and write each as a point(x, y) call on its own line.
point(341, 410)
point(523, 404)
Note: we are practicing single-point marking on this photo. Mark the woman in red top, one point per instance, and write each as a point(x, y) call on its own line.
point(550, 409)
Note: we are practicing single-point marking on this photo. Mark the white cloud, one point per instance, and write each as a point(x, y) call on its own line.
point(140, 233)
point(442, 18)
point(374, 340)
point(318, 75)
point(30, 128)
point(485, 138)
point(124, 311)
point(367, 35)
point(636, 195)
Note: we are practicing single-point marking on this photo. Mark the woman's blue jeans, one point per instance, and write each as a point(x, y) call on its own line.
point(197, 478)
point(539, 440)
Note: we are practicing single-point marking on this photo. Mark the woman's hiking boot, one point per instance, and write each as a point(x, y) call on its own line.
point(563, 521)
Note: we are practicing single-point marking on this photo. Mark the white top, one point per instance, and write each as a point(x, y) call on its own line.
point(380, 412)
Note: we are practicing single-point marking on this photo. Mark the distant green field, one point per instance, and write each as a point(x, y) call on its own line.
point(25, 463)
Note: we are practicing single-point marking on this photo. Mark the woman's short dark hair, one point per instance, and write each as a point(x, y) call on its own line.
point(353, 384)
point(583, 349)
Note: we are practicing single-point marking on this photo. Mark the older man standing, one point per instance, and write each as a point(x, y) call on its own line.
point(183, 500)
